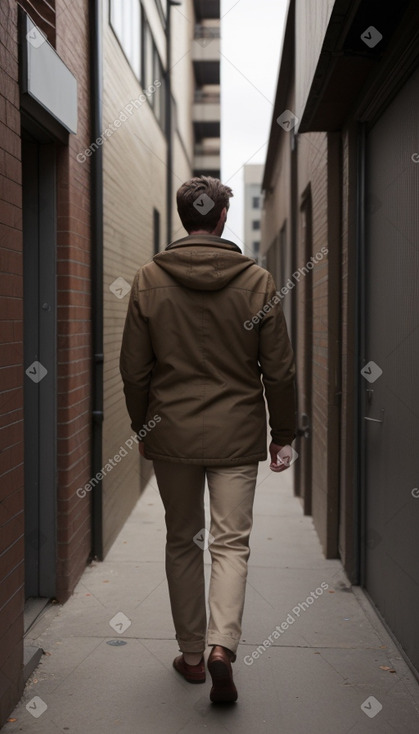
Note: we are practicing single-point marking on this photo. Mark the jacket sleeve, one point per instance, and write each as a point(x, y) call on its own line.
point(136, 360)
point(276, 359)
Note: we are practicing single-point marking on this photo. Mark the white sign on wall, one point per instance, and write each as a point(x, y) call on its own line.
point(47, 79)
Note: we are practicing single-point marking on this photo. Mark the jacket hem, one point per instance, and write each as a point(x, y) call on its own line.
point(204, 461)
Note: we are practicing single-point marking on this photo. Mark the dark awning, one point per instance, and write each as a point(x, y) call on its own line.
point(356, 40)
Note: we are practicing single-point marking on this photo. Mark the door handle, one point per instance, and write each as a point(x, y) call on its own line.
point(304, 428)
point(375, 420)
point(370, 393)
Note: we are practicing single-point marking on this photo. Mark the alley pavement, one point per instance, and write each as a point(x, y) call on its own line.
point(314, 656)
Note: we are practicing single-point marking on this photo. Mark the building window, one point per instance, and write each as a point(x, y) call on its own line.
point(256, 247)
point(153, 72)
point(256, 202)
point(148, 57)
point(125, 17)
point(256, 224)
point(159, 95)
point(156, 231)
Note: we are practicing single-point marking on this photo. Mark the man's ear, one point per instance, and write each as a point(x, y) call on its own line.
point(218, 230)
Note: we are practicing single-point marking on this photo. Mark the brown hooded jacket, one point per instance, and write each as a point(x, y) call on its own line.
point(204, 325)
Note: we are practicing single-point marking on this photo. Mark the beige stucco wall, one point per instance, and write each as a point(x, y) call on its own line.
point(134, 169)
point(183, 23)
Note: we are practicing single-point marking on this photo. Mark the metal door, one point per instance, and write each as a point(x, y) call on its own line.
point(390, 368)
point(303, 467)
point(39, 247)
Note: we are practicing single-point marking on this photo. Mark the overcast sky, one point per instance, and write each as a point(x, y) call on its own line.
point(251, 45)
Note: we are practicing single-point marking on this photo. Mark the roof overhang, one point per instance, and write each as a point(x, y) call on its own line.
point(357, 38)
point(345, 66)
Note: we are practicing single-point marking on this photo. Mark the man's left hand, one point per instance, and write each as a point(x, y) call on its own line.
point(274, 448)
point(141, 447)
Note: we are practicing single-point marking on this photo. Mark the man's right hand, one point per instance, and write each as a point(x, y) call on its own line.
point(274, 466)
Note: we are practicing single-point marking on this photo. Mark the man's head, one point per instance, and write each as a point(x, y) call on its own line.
point(203, 203)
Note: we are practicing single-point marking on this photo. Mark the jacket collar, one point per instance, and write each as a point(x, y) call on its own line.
point(202, 240)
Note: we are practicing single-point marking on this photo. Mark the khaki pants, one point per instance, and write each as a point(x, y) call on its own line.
point(231, 491)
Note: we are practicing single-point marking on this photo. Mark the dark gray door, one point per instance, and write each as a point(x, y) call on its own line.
point(39, 263)
point(304, 363)
point(390, 383)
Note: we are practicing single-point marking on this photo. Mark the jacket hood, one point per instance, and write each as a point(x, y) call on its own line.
point(203, 262)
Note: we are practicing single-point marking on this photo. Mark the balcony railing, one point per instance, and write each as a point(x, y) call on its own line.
point(210, 150)
point(201, 97)
point(207, 31)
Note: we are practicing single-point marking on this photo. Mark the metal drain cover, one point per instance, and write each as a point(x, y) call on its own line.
point(116, 643)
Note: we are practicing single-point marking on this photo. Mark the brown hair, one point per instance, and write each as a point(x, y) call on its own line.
point(213, 196)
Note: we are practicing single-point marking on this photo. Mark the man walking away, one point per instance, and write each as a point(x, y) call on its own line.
point(204, 340)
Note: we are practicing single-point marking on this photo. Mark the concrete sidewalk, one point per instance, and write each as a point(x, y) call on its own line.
point(328, 671)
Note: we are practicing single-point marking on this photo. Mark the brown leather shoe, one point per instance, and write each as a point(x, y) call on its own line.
point(191, 673)
point(219, 665)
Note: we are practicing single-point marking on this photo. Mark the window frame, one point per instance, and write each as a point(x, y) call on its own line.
point(156, 230)
point(159, 75)
point(112, 25)
point(156, 61)
point(162, 10)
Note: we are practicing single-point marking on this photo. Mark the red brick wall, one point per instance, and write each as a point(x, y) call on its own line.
point(11, 372)
point(318, 164)
point(74, 311)
point(312, 168)
point(42, 13)
point(73, 338)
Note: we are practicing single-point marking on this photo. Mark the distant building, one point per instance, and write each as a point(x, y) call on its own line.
point(206, 67)
point(340, 234)
point(253, 199)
